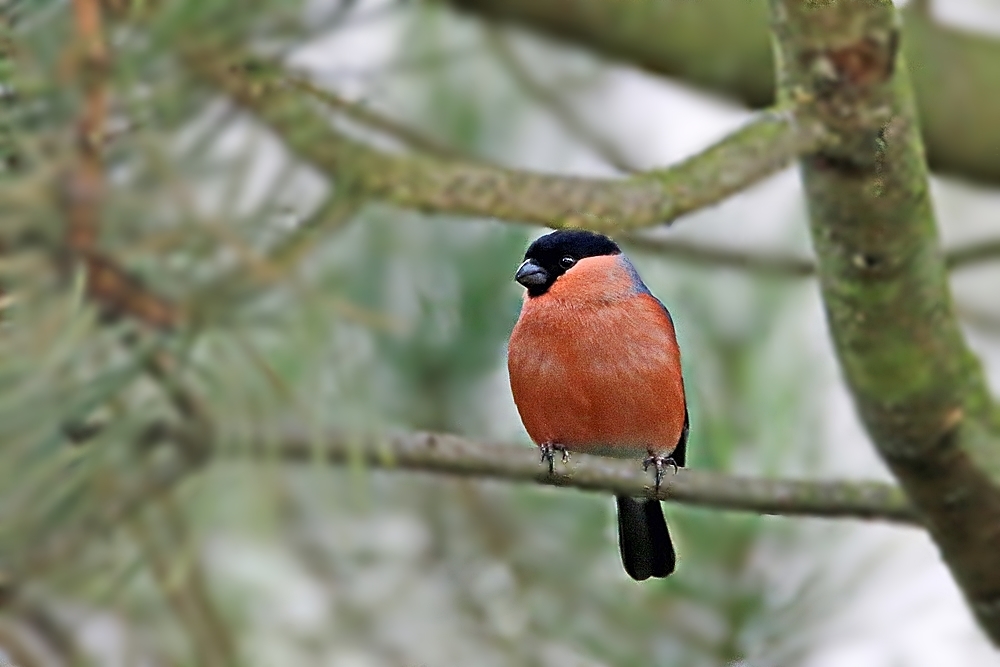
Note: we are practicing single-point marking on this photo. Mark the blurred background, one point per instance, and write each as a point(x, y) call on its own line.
point(282, 297)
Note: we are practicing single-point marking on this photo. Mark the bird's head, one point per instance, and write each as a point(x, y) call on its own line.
point(554, 254)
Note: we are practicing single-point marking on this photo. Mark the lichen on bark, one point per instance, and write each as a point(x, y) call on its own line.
point(919, 390)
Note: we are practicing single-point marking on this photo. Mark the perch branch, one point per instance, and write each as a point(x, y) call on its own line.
point(452, 455)
point(455, 456)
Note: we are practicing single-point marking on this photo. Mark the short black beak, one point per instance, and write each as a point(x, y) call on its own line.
point(530, 274)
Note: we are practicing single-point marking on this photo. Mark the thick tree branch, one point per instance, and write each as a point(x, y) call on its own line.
point(918, 388)
point(777, 264)
point(451, 455)
point(724, 46)
point(968, 255)
point(761, 148)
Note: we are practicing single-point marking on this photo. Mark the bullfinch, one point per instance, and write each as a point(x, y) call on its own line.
point(595, 367)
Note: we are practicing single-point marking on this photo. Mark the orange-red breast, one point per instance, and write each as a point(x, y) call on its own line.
point(594, 367)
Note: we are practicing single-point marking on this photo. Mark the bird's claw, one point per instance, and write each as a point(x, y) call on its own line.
point(660, 464)
point(548, 455)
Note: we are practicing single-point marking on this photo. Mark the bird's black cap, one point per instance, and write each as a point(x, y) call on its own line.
point(552, 255)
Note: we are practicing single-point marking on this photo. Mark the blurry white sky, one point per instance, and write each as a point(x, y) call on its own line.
point(911, 613)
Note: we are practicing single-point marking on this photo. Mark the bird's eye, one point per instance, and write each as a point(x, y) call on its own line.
point(567, 262)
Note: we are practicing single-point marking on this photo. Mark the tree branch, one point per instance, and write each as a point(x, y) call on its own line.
point(455, 456)
point(918, 388)
point(452, 455)
point(107, 283)
point(779, 264)
point(724, 46)
point(376, 121)
point(86, 181)
point(763, 147)
point(700, 253)
point(776, 264)
point(119, 292)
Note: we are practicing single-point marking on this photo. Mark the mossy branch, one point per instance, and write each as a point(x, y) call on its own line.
point(724, 46)
point(918, 388)
point(764, 146)
point(451, 455)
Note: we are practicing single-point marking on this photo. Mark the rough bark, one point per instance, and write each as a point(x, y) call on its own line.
point(919, 390)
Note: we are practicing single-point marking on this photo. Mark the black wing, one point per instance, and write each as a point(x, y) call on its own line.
point(680, 451)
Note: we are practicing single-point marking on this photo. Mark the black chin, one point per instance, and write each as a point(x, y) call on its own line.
point(538, 290)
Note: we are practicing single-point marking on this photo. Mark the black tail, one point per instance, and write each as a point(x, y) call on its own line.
point(643, 539)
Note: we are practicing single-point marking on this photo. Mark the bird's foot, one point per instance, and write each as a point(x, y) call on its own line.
point(548, 451)
point(660, 464)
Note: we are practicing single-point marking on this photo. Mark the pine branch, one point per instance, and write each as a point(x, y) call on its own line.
point(107, 282)
point(180, 584)
point(120, 293)
point(764, 146)
point(85, 191)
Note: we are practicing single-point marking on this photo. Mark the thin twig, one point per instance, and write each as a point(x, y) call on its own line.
point(120, 292)
point(86, 186)
point(217, 632)
point(687, 251)
point(959, 257)
point(108, 283)
point(561, 108)
point(172, 574)
point(702, 253)
point(163, 368)
point(360, 113)
point(973, 253)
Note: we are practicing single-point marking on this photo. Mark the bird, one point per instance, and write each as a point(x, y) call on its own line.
point(594, 367)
